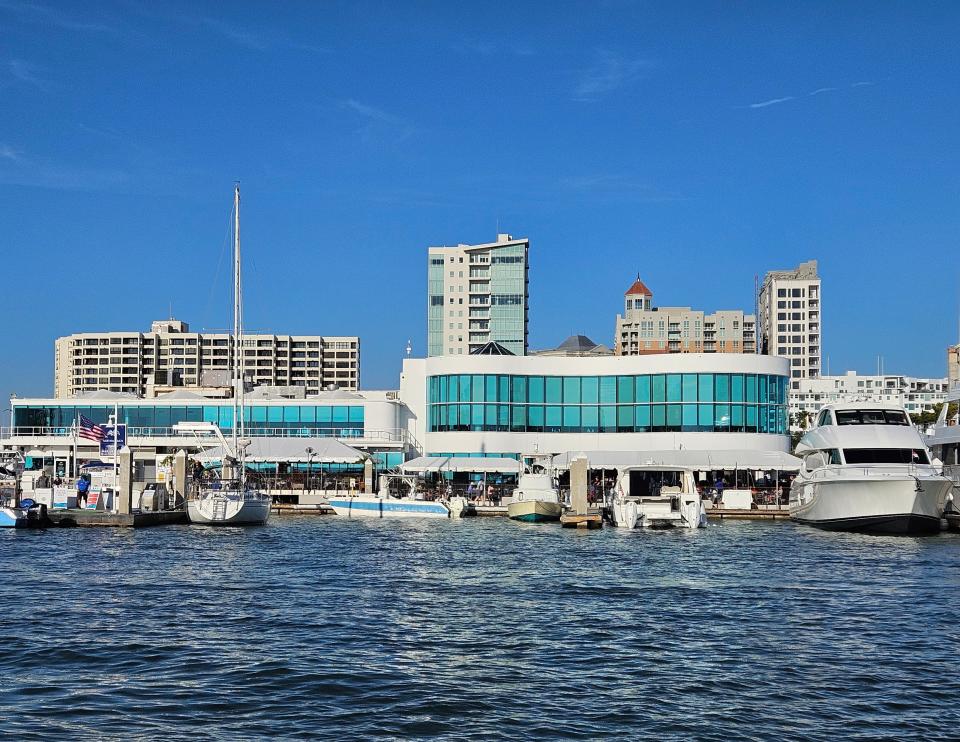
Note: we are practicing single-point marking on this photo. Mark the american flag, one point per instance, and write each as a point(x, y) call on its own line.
point(88, 429)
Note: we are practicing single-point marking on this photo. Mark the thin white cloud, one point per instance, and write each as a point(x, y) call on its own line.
point(379, 125)
point(31, 12)
point(818, 91)
point(8, 153)
point(615, 187)
point(771, 102)
point(25, 72)
point(608, 73)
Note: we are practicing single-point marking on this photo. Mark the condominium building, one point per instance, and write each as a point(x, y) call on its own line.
point(915, 394)
point(790, 319)
point(170, 356)
point(953, 365)
point(644, 329)
point(478, 294)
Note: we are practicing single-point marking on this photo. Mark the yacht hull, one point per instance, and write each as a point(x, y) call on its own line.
point(13, 518)
point(225, 511)
point(388, 507)
point(892, 505)
point(534, 511)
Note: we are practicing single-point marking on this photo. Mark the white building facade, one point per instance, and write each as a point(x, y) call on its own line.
point(510, 406)
point(915, 394)
point(791, 319)
point(478, 294)
point(170, 356)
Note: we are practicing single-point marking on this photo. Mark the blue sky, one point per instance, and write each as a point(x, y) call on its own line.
point(698, 144)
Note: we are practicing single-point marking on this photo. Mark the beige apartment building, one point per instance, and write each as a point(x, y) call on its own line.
point(790, 319)
point(170, 357)
point(644, 329)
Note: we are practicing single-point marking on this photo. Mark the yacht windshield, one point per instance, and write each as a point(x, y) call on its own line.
point(885, 456)
point(871, 417)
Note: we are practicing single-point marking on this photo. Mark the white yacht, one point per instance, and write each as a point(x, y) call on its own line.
point(231, 501)
point(660, 497)
point(944, 443)
point(536, 499)
point(866, 468)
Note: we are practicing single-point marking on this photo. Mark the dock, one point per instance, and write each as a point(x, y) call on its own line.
point(100, 518)
point(763, 513)
point(591, 519)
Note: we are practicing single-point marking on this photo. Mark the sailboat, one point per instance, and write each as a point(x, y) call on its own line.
point(231, 501)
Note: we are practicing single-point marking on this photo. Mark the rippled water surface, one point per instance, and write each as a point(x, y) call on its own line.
point(478, 629)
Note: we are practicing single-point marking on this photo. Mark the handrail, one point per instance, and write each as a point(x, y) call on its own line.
point(397, 435)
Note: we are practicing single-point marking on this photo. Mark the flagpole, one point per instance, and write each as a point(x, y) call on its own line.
point(116, 461)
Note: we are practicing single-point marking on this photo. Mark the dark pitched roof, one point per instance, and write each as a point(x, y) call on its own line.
point(578, 343)
point(492, 348)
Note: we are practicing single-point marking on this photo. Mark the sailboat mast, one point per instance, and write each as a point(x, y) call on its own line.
point(238, 427)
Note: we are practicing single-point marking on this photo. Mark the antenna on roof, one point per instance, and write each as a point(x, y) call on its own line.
point(409, 348)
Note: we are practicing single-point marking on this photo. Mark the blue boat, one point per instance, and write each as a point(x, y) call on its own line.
point(13, 518)
point(373, 506)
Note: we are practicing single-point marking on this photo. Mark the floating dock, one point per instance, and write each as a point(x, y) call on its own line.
point(86, 518)
point(591, 519)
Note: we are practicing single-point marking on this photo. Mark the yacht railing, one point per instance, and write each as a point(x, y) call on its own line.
point(871, 470)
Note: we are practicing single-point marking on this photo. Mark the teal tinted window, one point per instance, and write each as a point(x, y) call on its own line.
point(674, 416)
point(590, 419)
point(736, 417)
point(463, 413)
point(705, 416)
point(503, 389)
point(751, 417)
point(608, 418)
point(258, 414)
point(608, 389)
point(503, 416)
point(476, 416)
point(554, 420)
point(762, 384)
point(689, 415)
point(721, 416)
point(356, 414)
point(535, 415)
point(464, 388)
point(324, 414)
point(689, 387)
point(194, 414)
point(518, 417)
point(625, 389)
point(751, 387)
point(554, 389)
point(535, 388)
point(491, 390)
point(571, 418)
point(658, 413)
point(161, 416)
point(519, 384)
point(625, 417)
point(736, 388)
point(706, 388)
point(226, 418)
point(721, 388)
point(210, 415)
point(673, 389)
point(291, 414)
point(571, 390)
point(339, 414)
point(659, 384)
point(274, 414)
point(590, 386)
point(491, 416)
point(476, 388)
point(643, 389)
point(642, 417)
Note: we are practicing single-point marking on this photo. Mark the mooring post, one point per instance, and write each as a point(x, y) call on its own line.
point(125, 488)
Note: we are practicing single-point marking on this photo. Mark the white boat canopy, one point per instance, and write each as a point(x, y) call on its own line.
point(462, 464)
point(688, 459)
point(292, 450)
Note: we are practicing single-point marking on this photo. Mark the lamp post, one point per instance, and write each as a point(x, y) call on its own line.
point(309, 451)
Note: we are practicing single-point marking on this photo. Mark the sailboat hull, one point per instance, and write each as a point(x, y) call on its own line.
point(216, 510)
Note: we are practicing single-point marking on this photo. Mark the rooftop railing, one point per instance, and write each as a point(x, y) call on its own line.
point(398, 435)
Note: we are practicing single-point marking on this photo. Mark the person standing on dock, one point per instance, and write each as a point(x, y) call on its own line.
point(718, 487)
point(83, 484)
